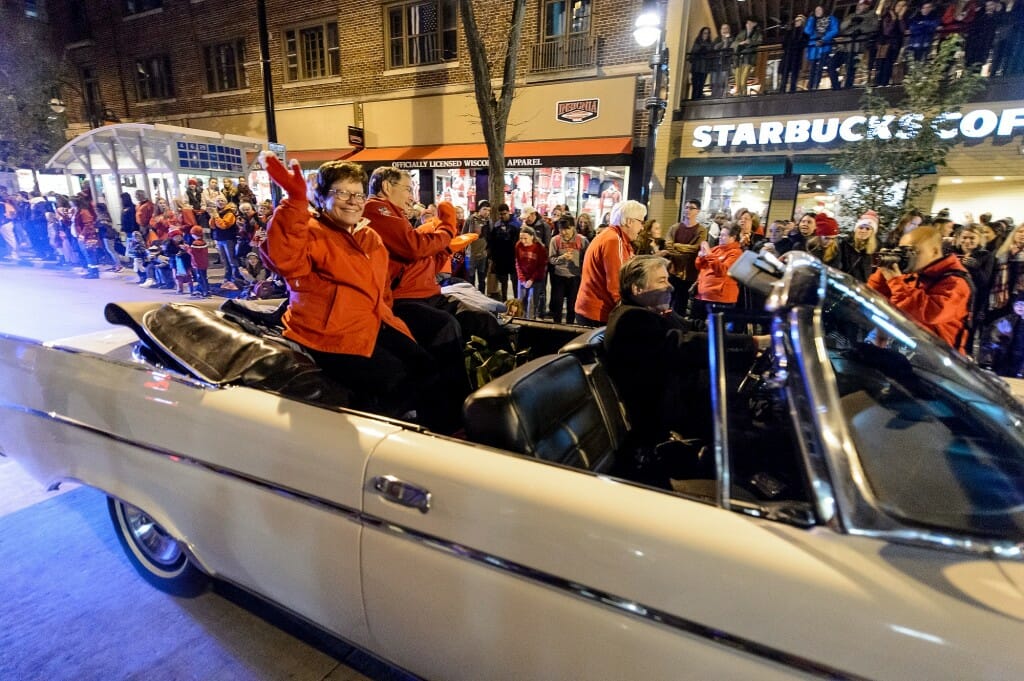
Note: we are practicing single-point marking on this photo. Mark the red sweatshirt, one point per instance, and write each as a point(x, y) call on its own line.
point(412, 262)
point(531, 261)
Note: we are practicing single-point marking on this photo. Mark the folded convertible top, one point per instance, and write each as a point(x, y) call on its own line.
point(200, 340)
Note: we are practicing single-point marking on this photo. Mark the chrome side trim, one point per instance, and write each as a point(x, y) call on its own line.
point(622, 605)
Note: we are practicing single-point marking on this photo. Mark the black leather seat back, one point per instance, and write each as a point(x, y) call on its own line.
point(608, 400)
point(588, 346)
point(545, 409)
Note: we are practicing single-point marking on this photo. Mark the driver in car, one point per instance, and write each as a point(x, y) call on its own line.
point(669, 397)
point(339, 298)
point(934, 291)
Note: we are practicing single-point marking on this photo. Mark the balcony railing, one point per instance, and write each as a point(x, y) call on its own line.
point(574, 52)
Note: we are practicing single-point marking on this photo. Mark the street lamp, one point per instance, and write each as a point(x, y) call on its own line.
point(649, 31)
point(57, 105)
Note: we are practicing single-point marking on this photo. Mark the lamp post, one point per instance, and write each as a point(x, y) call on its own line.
point(649, 31)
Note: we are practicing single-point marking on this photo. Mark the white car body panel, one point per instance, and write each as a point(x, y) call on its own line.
point(230, 441)
point(683, 557)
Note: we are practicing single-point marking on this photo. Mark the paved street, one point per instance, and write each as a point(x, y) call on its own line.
point(250, 640)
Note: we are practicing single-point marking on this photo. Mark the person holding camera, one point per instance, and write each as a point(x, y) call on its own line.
point(933, 290)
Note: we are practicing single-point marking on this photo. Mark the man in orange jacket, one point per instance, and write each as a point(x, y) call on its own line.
point(935, 291)
point(412, 269)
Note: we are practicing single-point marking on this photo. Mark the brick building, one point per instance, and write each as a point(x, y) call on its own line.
point(399, 69)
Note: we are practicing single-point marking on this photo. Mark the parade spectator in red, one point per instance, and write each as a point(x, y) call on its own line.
point(336, 269)
point(608, 252)
point(531, 266)
point(935, 292)
point(824, 245)
point(714, 285)
point(144, 211)
point(199, 251)
point(88, 234)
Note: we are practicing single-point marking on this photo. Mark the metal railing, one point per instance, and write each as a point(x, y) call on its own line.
point(574, 52)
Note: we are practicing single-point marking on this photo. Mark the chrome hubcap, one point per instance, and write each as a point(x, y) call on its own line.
point(151, 539)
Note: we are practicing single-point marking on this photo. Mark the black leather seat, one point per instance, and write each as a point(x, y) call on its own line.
point(546, 409)
point(588, 348)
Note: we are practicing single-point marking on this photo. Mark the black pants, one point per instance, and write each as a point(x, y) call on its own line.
point(391, 381)
point(680, 294)
point(697, 81)
point(563, 291)
point(433, 325)
point(587, 321)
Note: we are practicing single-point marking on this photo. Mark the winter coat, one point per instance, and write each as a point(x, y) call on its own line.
point(857, 264)
point(921, 29)
point(723, 49)
point(531, 262)
point(411, 265)
point(934, 299)
point(714, 284)
point(747, 54)
point(599, 287)
point(338, 285)
point(701, 59)
point(200, 254)
point(224, 227)
point(828, 32)
point(859, 30)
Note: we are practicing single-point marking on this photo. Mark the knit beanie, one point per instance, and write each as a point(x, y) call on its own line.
point(825, 226)
point(870, 216)
point(196, 231)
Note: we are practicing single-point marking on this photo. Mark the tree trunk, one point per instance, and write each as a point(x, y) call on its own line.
point(493, 110)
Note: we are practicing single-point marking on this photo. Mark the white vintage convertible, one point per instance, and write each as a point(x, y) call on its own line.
point(859, 513)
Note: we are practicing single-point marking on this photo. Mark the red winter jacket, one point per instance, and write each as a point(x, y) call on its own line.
point(338, 286)
point(412, 263)
point(935, 300)
point(714, 284)
point(599, 287)
point(531, 261)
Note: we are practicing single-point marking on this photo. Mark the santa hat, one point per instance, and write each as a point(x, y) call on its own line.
point(173, 233)
point(825, 226)
point(869, 216)
point(193, 182)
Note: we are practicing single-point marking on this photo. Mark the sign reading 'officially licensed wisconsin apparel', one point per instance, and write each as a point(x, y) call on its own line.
point(577, 110)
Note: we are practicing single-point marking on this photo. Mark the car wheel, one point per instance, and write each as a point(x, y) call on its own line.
point(154, 553)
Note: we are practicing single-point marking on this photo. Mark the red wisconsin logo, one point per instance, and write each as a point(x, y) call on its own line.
point(577, 110)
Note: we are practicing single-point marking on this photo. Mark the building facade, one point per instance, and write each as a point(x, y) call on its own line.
point(398, 70)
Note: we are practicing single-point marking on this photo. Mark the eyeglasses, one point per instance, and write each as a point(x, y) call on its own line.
point(343, 195)
point(406, 187)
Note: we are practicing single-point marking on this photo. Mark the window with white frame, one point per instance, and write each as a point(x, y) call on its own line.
point(421, 32)
point(153, 79)
point(225, 66)
point(311, 52)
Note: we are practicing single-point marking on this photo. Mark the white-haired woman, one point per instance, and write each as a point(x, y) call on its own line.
point(599, 287)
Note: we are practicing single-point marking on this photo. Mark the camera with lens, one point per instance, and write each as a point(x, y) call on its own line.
point(902, 256)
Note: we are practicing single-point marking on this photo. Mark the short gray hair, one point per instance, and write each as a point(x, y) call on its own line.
point(637, 271)
point(627, 209)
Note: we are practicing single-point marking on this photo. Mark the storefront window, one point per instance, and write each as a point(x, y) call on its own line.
point(730, 193)
point(457, 186)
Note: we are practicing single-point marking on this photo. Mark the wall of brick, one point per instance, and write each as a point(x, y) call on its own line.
point(182, 27)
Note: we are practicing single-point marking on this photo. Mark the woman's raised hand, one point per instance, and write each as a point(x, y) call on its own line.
point(291, 181)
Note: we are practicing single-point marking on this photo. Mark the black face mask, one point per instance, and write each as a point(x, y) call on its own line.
point(657, 299)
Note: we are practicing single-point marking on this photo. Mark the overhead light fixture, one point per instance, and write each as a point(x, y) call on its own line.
point(956, 180)
point(648, 28)
point(998, 178)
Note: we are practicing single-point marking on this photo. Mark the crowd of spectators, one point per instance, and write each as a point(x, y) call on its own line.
point(165, 242)
point(867, 46)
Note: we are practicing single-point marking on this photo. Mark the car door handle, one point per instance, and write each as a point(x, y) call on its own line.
point(393, 489)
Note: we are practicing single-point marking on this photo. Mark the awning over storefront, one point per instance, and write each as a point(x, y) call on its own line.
point(715, 167)
point(551, 153)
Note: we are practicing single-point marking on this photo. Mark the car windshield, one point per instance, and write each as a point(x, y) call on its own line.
point(941, 442)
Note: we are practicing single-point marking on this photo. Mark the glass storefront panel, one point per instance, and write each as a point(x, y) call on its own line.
point(729, 193)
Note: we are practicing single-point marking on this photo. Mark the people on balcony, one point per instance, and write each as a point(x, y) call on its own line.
point(724, 47)
point(821, 31)
point(892, 27)
point(856, 45)
point(794, 42)
point(701, 62)
point(745, 56)
point(982, 34)
point(921, 31)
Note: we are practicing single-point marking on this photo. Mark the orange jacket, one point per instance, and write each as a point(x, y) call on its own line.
point(412, 266)
point(935, 300)
point(713, 281)
point(338, 292)
point(599, 287)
